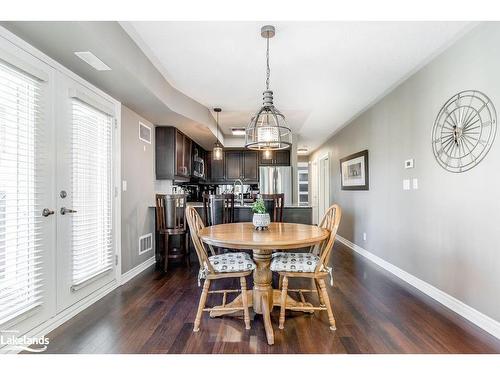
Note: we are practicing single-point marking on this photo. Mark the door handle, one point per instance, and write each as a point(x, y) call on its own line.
point(65, 211)
point(47, 212)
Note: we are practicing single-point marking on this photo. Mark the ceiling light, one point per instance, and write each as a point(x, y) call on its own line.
point(217, 149)
point(302, 150)
point(92, 60)
point(238, 131)
point(268, 129)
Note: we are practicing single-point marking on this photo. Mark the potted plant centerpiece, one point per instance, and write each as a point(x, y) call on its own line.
point(261, 218)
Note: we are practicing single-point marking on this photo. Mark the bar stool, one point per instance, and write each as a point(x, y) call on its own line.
point(171, 221)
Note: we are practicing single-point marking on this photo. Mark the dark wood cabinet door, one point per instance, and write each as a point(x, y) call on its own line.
point(187, 156)
point(165, 158)
point(216, 169)
point(233, 165)
point(250, 166)
point(282, 157)
point(179, 153)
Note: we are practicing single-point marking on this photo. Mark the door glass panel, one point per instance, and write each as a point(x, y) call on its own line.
point(92, 240)
point(20, 221)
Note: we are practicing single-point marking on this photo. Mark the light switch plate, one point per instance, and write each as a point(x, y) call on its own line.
point(406, 184)
point(124, 185)
point(408, 163)
point(415, 183)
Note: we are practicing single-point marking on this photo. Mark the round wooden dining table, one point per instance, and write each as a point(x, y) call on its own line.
point(278, 237)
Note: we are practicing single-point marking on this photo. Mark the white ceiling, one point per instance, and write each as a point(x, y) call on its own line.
point(323, 73)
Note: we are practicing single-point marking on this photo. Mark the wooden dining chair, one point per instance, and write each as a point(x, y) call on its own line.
point(222, 266)
point(218, 208)
point(311, 265)
point(278, 201)
point(170, 222)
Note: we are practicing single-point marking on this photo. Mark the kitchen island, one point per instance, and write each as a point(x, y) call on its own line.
point(243, 213)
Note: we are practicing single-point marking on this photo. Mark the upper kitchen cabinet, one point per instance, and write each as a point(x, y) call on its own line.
point(250, 166)
point(216, 169)
point(232, 165)
point(278, 158)
point(173, 154)
point(241, 164)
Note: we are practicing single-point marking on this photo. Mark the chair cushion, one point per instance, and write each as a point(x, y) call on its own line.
point(294, 262)
point(232, 262)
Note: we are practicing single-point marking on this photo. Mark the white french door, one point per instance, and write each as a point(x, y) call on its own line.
point(27, 238)
point(57, 201)
point(85, 236)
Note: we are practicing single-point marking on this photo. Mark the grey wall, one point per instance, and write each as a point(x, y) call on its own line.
point(138, 170)
point(445, 232)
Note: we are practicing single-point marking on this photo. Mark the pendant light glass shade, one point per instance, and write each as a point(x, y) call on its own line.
point(217, 151)
point(267, 154)
point(268, 129)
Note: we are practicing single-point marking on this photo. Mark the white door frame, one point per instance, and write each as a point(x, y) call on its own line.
point(321, 194)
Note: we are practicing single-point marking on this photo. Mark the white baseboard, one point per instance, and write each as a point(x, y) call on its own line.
point(483, 321)
point(130, 274)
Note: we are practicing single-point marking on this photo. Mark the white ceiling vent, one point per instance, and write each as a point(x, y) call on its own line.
point(92, 60)
point(238, 131)
point(144, 133)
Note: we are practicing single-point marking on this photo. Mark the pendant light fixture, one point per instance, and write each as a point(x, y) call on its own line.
point(217, 149)
point(268, 129)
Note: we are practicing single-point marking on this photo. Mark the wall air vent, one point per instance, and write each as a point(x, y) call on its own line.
point(145, 243)
point(144, 133)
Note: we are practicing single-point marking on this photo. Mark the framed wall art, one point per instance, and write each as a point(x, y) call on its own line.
point(354, 171)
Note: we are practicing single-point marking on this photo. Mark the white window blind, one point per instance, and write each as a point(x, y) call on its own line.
point(92, 238)
point(20, 186)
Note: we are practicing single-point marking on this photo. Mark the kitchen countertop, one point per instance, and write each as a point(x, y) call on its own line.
point(249, 206)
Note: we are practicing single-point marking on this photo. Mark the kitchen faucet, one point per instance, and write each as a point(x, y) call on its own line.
point(242, 202)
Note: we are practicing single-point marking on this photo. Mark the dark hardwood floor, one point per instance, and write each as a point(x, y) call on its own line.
point(375, 313)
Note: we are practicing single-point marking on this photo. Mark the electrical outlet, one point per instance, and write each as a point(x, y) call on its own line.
point(364, 236)
point(415, 183)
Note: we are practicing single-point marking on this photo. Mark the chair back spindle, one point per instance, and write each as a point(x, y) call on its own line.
point(218, 209)
point(170, 212)
point(330, 221)
point(274, 203)
point(195, 225)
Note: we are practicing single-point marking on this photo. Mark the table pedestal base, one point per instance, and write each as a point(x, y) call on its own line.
point(263, 297)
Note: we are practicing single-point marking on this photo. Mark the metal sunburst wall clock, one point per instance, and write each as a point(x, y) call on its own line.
point(464, 131)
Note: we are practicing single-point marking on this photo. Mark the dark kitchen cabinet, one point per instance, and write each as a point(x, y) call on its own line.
point(278, 158)
point(187, 147)
point(282, 158)
point(216, 169)
point(250, 166)
point(233, 165)
point(173, 154)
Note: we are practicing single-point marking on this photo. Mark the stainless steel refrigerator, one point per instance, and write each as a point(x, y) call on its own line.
point(275, 180)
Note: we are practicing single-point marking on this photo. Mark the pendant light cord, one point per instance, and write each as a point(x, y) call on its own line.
point(268, 71)
point(217, 127)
